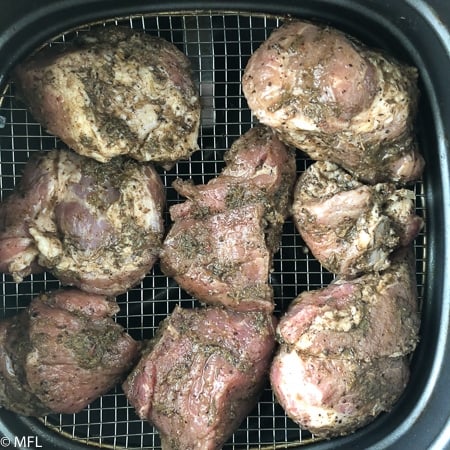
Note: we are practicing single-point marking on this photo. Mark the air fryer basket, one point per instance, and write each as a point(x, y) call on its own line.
point(219, 42)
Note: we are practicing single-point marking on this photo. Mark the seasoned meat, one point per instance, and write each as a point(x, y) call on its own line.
point(344, 349)
point(220, 246)
point(202, 374)
point(13, 394)
point(18, 253)
point(61, 353)
point(333, 396)
point(375, 315)
point(114, 91)
point(352, 228)
point(328, 95)
point(96, 226)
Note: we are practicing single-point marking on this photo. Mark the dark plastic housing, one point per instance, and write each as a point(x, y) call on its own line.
point(414, 30)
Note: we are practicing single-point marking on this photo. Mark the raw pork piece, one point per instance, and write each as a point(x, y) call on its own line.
point(62, 352)
point(328, 95)
point(115, 91)
point(352, 228)
point(344, 350)
point(202, 374)
point(96, 226)
point(221, 244)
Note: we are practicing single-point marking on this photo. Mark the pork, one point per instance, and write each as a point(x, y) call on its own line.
point(223, 237)
point(202, 374)
point(331, 397)
point(352, 228)
point(373, 316)
point(95, 226)
point(115, 91)
point(335, 99)
point(62, 352)
point(344, 349)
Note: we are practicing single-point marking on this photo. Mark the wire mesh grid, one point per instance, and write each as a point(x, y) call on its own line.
point(218, 46)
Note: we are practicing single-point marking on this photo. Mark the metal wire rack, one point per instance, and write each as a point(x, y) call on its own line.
point(218, 46)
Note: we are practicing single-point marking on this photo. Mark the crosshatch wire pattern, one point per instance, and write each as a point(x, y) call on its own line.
point(218, 46)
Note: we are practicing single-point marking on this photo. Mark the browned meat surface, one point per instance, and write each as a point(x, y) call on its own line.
point(61, 353)
point(95, 226)
point(220, 246)
point(344, 349)
point(202, 375)
point(352, 228)
point(115, 91)
point(331, 97)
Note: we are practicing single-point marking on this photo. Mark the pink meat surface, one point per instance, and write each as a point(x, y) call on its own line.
point(202, 374)
point(62, 352)
point(221, 244)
